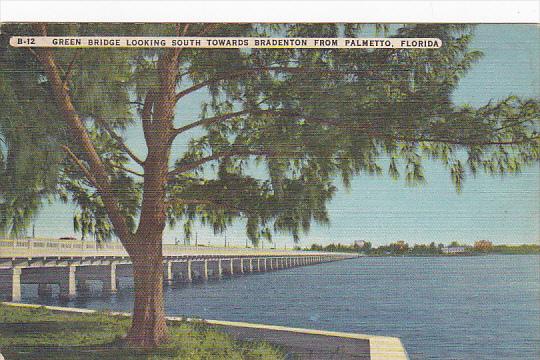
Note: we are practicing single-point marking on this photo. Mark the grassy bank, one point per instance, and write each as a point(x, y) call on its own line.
point(42, 334)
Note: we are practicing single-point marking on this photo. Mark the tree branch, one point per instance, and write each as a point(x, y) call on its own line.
point(464, 142)
point(79, 133)
point(119, 141)
point(339, 124)
point(207, 202)
point(120, 167)
point(224, 154)
point(146, 114)
point(81, 165)
point(238, 73)
point(224, 117)
point(209, 121)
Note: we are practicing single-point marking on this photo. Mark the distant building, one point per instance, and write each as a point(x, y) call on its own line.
point(453, 250)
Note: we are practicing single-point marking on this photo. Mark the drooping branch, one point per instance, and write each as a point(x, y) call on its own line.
point(207, 202)
point(80, 134)
point(210, 121)
point(461, 142)
point(119, 141)
point(242, 72)
point(219, 155)
point(123, 168)
point(81, 165)
point(367, 128)
point(224, 117)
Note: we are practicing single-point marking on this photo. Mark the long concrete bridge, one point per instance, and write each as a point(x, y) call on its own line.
point(72, 264)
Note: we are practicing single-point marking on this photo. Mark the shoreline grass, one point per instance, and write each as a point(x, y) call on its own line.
point(39, 333)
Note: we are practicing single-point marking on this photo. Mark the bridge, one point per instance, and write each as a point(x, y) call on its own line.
point(72, 265)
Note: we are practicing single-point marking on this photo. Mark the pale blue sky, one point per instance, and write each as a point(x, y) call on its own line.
point(378, 209)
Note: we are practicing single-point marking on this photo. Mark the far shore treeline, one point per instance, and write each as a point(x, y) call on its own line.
point(401, 248)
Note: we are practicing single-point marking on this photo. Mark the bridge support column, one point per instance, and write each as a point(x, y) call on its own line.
point(188, 276)
point(231, 266)
point(205, 270)
point(68, 285)
point(109, 279)
point(10, 283)
point(168, 275)
point(241, 265)
point(219, 269)
point(250, 265)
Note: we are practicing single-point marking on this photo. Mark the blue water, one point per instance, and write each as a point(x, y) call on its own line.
point(442, 308)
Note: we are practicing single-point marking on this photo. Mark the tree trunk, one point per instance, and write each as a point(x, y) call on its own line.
point(148, 328)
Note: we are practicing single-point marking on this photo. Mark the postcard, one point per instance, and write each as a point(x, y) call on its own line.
point(269, 190)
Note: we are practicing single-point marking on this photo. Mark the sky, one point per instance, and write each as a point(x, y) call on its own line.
point(381, 210)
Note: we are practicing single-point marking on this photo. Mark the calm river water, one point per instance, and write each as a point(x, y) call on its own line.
point(484, 307)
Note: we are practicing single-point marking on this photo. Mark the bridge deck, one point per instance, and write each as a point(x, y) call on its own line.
point(50, 248)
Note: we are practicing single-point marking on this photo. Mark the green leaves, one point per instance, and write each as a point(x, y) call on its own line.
point(29, 136)
point(277, 128)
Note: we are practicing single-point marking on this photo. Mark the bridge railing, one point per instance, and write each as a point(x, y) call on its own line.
point(58, 244)
point(56, 247)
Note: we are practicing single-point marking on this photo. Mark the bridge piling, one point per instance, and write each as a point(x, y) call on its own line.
point(188, 277)
point(205, 270)
point(219, 269)
point(168, 275)
point(68, 284)
point(10, 283)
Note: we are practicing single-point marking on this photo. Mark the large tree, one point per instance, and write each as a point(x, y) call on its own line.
point(276, 129)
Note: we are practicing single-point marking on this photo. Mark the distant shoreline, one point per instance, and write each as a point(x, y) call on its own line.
point(401, 249)
point(449, 256)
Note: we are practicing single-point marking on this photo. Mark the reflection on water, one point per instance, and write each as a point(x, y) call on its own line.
point(442, 308)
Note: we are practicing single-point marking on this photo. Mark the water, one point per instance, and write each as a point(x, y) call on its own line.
point(442, 308)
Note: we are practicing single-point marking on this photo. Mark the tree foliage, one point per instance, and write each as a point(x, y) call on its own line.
point(276, 130)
